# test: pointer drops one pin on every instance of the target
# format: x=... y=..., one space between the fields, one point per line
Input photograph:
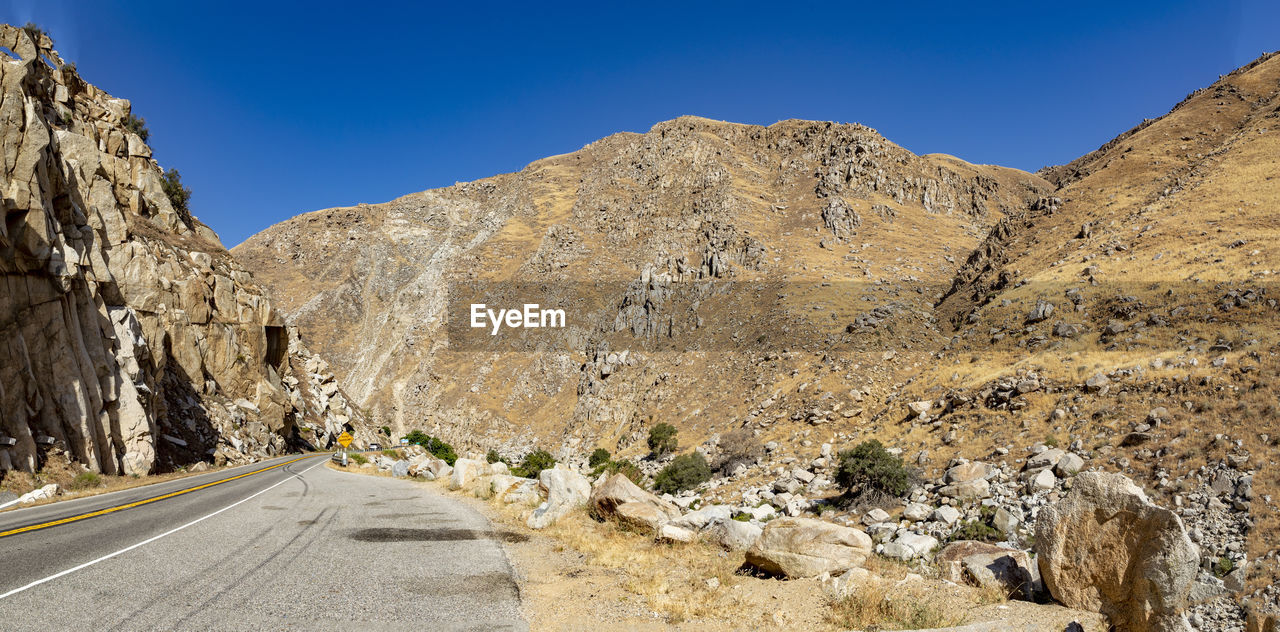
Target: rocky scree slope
x=130 y=341
x=1135 y=318
x=690 y=202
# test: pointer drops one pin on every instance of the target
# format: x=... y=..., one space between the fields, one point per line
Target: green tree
x=684 y=472
x=868 y=467
x=436 y=447
x=178 y=194
x=533 y=464
x=662 y=439
x=599 y=457
x=137 y=126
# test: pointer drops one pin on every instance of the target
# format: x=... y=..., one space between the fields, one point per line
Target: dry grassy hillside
x=1160 y=264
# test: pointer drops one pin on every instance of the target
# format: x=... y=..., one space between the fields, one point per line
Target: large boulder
x=465 y=471
x=909 y=546
x=967 y=490
x=803 y=547
x=699 y=519
x=620 y=499
x=566 y=490
x=1108 y=549
x=429 y=468
x=1011 y=572
x=400 y=469
x=500 y=483
x=525 y=491
x=966 y=472
x=733 y=535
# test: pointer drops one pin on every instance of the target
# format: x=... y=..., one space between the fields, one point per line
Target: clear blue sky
x=272 y=109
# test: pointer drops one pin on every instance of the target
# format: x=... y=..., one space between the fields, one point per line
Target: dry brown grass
x=884 y=605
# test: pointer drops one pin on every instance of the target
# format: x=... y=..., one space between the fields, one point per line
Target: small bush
x=35 y=31
x=86 y=480
x=178 y=194
x=976 y=530
x=138 y=126
x=1223 y=567
x=357 y=458
x=395 y=454
x=533 y=464
x=599 y=457
x=385 y=430
x=868 y=467
x=662 y=439
x=623 y=467
x=492 y=456
x=1051 y=441
x=684 y=472
x=738 y=447
x=436 y=447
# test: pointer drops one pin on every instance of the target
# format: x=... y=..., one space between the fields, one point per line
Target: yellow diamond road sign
x=345 y=439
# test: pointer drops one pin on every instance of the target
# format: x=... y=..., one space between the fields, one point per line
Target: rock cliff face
x=129 y=338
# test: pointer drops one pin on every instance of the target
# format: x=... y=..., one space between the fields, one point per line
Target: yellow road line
x=102 y=512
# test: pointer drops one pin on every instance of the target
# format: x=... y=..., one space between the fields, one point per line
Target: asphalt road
x=298 y=546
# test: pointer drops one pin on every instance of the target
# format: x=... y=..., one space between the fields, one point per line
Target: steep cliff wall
x=129 y=338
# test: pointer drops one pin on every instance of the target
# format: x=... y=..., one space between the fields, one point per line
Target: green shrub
x=178 y=194
x=976 y=530
x=492 y=456
x=1051 y=441
x=598 y=457
x=533 y=464
x=1223 y=567
x=357 y=458
x=395 y=454
x=623 y=467
x=385 y=430
x=138 y=126
x=868 y=467
x=436 y=447
x=86 y=480
x=662 y=439
x=684 y=472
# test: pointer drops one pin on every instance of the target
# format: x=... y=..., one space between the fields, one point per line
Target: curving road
x=280 y=545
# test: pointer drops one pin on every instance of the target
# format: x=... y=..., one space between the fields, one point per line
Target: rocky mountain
x=840 y=220
x=130 y=341
x=1121 y=307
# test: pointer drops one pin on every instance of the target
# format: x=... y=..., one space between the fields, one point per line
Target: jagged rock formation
x=129 y=338
x=656 y=215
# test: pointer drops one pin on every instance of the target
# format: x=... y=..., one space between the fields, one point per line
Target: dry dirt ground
x=581 y=574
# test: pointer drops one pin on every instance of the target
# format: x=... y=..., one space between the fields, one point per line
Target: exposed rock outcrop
x=129 y=338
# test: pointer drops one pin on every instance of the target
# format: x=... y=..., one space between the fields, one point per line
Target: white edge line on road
x=153 y=539
x=12 y=502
